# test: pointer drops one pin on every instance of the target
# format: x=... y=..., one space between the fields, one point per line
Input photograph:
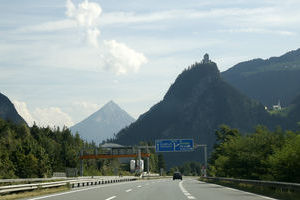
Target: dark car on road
x=177 y=175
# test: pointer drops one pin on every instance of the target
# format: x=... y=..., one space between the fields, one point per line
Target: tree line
x=262 y=155
x=29 y=152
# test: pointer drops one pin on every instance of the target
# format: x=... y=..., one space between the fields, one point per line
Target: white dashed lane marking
x=185 y=192
x=110 y=198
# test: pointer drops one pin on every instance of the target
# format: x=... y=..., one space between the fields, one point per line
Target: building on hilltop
x=277 y=107
x=206 y=59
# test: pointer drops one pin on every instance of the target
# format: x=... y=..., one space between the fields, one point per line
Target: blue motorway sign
x=174 y=145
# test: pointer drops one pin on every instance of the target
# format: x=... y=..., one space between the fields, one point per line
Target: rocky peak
x=196 y=77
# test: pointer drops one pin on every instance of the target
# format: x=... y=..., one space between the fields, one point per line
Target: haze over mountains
x=103 y=124
x=268 y=81
x=8 y=111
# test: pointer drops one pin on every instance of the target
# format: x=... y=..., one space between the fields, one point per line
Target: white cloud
x=49 y=26
x=93 y=35
x=122 y=59
x=272 y=13
x=259 y=30
x=268 y=17
x=117 y=57
x=71 y=9
x=86 y=15
x=52 y=116
x=86 y=105
x=22 y=109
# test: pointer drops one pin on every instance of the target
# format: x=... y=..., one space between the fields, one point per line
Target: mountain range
x=196 y=104
x=269 y=81
x=8 y=111
x=103 y=124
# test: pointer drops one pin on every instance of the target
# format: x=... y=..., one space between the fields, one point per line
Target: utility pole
x=205 y=158
x=81 y=163
x=139 y=160
x=148 y=160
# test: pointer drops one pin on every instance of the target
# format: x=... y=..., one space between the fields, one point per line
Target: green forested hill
x=268 y=81
x=196 y=104
x=290 y=116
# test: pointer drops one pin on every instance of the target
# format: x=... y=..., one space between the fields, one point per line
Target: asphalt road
x=159 y=189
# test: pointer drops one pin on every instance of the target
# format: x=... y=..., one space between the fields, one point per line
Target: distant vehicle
x=177 y=175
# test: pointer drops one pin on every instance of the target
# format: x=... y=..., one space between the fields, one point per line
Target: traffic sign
x=174 y=145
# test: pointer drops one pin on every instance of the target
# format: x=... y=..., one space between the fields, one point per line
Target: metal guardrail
x=98 y=182
x=150 y=176
x=72 y=183
x=56 y=178
x=276 y=184
x=32 y=186
x=33 y=179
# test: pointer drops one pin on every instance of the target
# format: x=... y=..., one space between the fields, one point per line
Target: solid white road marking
x=185 y=192
x=129 y=190
x=110 y=198
x=139 y=186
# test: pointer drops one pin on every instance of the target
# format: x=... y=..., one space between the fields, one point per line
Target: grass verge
x=33 y=193
x=282 y=194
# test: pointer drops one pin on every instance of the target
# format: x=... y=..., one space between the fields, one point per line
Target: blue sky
x=62 y=60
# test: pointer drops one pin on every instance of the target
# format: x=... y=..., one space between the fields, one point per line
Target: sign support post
x=205 y=158
x=148 y=160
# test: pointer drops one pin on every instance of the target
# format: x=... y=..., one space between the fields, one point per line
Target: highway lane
x=160 y=189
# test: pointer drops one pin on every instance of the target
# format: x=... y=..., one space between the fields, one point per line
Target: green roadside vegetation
x=262 y=155
x=282 y=194
x=36 y=152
